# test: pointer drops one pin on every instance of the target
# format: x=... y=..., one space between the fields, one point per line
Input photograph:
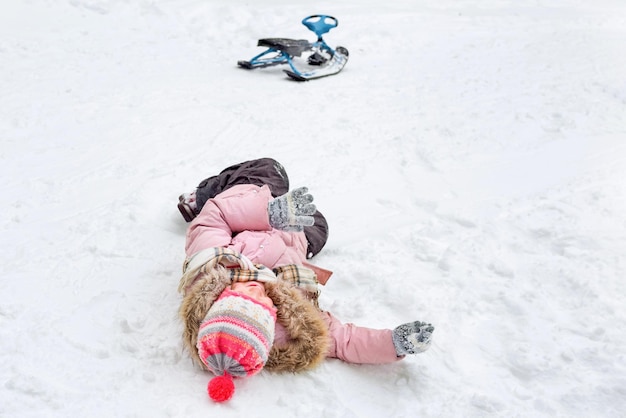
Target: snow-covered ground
x=470 y=158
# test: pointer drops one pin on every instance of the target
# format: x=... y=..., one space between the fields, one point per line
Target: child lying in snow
x=250 y=296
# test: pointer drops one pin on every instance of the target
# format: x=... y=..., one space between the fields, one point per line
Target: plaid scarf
x=303 y=278
x=242 y=269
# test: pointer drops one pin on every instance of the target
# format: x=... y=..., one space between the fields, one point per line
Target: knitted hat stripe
x=219 y=362
x=245 y=365
x=256 y=340
x=261 y=326
x=233 y=347
x=243 y=312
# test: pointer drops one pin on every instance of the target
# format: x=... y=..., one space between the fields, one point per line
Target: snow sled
x=307 y=60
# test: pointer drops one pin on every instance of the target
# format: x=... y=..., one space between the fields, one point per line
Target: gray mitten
x=412 y=338
x=292 y=211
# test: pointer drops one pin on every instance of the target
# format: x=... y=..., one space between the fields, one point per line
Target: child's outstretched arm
x=361 y=345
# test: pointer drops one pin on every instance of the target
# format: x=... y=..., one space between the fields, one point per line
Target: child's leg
x=316 y=235
x=258 y=172
x=360 y=345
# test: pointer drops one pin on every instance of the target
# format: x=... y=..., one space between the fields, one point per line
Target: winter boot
x=187 y=206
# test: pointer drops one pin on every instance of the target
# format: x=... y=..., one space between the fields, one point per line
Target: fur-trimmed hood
x=308 y=335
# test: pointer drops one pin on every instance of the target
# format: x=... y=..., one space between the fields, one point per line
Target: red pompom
x=221 y=388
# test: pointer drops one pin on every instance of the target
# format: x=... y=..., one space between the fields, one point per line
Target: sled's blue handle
x=320 y=24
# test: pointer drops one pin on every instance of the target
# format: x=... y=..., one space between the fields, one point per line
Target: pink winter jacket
x=237 y=219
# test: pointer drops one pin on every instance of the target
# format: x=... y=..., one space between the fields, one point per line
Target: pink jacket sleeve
x=359 y=345
x=240 y=208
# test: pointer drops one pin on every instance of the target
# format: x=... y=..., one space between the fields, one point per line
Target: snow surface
x=470 y=158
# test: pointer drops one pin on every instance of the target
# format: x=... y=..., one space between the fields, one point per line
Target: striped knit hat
x=234 y=340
